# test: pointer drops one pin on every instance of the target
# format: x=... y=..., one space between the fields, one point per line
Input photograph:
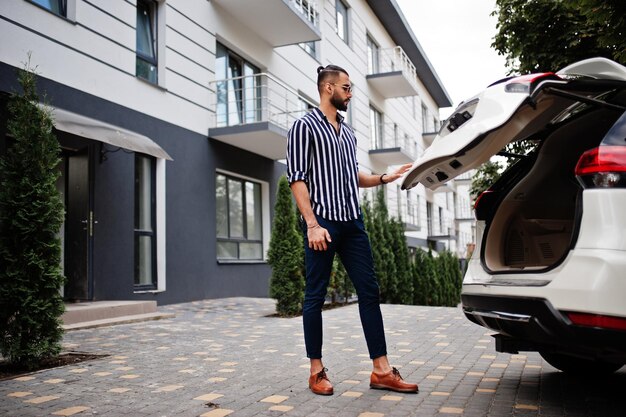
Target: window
x=429 y=217
x=441 y=230
x=372 y=56
x=342 y=20
x=376 y=128
x=310 y=48
x=411 y=209
x=146 y=61
x=304 y=107
x=145 y=221
x=238 y=89
x=239 y=219
x=427 y=125
x=55 y=6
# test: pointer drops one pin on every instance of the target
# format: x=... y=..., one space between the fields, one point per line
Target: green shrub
x=31 y=214
x=286 y=255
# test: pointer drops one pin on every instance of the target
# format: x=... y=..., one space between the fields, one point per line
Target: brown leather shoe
x=391 y=381
x=320 y=384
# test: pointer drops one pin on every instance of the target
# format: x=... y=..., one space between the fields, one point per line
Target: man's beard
x=339 y=103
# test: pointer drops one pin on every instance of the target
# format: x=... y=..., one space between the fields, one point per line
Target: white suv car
x=549 y=270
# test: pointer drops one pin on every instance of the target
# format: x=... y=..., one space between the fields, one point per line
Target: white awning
x=89 y=128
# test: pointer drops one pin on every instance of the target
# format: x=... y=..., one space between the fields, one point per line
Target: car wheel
x=579 y=366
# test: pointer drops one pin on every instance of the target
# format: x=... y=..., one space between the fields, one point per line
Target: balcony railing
x=395 y=59
x=393 y=145
x=256 y=98
x=464 y=210
x=309 y=9
x=395 y=137
x=441 y=229
x=254 y=112
x=394 y=75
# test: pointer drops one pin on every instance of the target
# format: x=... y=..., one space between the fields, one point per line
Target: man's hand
x=318 y=237
x=398 y=173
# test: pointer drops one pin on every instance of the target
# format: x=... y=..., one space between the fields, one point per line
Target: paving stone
x=196 y=364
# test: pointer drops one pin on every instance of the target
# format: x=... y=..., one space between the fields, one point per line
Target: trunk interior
x=535 y=224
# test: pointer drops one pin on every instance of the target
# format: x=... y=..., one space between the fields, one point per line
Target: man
x=323 y=173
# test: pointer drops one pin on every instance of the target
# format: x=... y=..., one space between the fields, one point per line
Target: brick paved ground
x=227 y=357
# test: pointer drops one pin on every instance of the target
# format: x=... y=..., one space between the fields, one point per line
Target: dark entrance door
x=78 y=226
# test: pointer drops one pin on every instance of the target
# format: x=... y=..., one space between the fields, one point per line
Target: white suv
x=549 y=270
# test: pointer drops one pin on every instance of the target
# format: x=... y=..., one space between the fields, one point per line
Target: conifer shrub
x=286 y=255
x=31 y=215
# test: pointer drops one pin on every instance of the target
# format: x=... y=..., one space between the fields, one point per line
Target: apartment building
x=172 y=116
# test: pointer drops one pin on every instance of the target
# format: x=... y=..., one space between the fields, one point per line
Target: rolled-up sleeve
x=298 y=152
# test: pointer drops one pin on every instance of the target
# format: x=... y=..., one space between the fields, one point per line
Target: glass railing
x=256 y=98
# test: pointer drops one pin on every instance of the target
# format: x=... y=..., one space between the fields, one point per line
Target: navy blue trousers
x=351 y=243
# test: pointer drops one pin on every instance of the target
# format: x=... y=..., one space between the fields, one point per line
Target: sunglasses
x=346 y=88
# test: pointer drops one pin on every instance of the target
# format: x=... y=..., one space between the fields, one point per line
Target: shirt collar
x=321 y=116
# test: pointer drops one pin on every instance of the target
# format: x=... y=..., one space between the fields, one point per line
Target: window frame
x=241 y=110
x=377 y=139
x=341 y=8
x=310 y=48
x=62 y=4
x=373 y=55
x=153 y=9
x=144 y=232
x=244 y=215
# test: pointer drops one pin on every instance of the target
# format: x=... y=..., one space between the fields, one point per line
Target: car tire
x=580 y=366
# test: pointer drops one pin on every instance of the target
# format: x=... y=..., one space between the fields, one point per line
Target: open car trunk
x=536 y=219
x=533 y=212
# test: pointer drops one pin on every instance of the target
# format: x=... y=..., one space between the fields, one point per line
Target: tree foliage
x=547 y=35
x=403 y=278
x=31 y=215
x=286 y=255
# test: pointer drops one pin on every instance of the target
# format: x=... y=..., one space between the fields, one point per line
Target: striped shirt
x=326 y=162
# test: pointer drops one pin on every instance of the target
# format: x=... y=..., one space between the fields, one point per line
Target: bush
x=31 y=214
x=286 y=255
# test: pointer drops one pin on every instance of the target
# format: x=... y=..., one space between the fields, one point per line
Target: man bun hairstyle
x=326 y=73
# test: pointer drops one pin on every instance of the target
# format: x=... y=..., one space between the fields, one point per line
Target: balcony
x=464 y=211
x=254 y=113
x=393 y=146
x=408 y=212
x=441 y=230
x=279 y=22
x=395 y=74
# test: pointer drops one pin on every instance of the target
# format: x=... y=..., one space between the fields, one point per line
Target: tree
x=404 y=293
x=420 y=279
x=31 y=215
x=547 y=35
x=384 y=262
x=340 y=284
x=286 y=255
x=484 y=177
x=430 y=281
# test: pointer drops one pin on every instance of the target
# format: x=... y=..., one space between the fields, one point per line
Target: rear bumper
x=533 y=324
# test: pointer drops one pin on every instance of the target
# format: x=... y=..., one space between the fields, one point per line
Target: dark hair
x=324 y=73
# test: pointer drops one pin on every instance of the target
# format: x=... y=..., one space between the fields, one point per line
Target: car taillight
x=602 y=167
x=525 y=83
x=484 y=204
x=597 y=320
